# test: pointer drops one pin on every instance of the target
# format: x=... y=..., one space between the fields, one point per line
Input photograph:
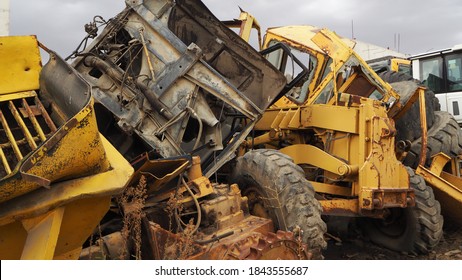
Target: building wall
x=4 y=17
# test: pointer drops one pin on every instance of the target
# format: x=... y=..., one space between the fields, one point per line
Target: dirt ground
x=359 y=248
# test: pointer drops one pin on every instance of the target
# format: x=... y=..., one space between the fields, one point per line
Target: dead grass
x=132 y=202
x=181 y=246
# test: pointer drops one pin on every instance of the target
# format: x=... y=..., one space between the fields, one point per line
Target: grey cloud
x=421 y=25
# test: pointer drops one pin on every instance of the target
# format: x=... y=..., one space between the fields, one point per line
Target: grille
x=25 y=124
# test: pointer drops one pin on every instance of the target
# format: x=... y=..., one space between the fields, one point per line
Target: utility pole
x=352 y=31
x=4 y=17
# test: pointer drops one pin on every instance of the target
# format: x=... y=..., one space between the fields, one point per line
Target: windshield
x=350 y=78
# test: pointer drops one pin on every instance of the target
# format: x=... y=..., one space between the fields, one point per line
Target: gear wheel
x=270 y=246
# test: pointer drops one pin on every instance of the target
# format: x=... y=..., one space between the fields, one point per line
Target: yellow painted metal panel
x=20 y=64
x=84 y=200
x=108 y=182
x=42 y=236
x=308 y=154
x=266 y=121
x=447 y=189
x=331 y=189
x=83 y=214
x=340 y=207
x=12 y=238
x=19 y=95
x=337 y=118
x=303 y=35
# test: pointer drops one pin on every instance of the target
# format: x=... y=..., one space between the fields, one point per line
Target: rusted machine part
x=116 y=74
x=110 y=246
x=226 y=231
x=159 y=70
x=402 y=148
x=281 y=245
x=255 y=243
x=254 y=239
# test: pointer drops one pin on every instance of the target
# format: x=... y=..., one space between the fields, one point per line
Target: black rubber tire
x=444 y=136
x=271 y=178
x=408 y=126
x=416 y=230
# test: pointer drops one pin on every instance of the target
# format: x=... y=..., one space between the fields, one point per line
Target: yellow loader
x=350 y=138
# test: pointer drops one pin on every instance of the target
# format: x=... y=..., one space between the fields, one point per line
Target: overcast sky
x=421 y=25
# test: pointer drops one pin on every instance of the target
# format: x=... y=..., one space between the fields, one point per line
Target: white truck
x=441 y=71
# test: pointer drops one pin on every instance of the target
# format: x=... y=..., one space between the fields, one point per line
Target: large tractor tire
x=408 y=126
x=414 y=230
x=277 y=189
x=444 y=136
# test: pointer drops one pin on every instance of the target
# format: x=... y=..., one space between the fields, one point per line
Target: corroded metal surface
x=226 y=231
x=176 y=79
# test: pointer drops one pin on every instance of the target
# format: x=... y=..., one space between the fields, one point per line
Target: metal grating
x=24 y=125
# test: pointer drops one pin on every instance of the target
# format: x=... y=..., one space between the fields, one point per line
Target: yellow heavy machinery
x=335 y=133
x=175 y=92
x=166 y=84
x=58 y=172
x=389 y=63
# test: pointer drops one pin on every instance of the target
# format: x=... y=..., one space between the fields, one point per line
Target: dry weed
x=180 y=246
x=132 y=202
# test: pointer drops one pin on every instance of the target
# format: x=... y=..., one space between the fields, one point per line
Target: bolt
x=408 y=200
x=366 y=202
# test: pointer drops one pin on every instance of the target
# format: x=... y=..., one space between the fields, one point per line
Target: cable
x=199 y=133
x=215 y=238
x=196 y=202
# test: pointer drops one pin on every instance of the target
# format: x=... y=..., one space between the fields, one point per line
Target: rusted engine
x=200 y=220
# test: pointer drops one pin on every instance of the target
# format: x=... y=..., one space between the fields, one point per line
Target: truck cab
x=441 y=71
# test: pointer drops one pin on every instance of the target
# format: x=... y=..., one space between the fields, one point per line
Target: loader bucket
x=58 y=172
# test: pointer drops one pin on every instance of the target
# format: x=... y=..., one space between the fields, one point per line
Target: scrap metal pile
x=170 y=137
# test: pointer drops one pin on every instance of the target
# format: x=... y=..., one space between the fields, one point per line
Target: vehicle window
x=290 y=69
x=454 y=72
x=431 y=73
x=405 y=68
x=276 y=57
x=326 y=94
x=328 y=69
